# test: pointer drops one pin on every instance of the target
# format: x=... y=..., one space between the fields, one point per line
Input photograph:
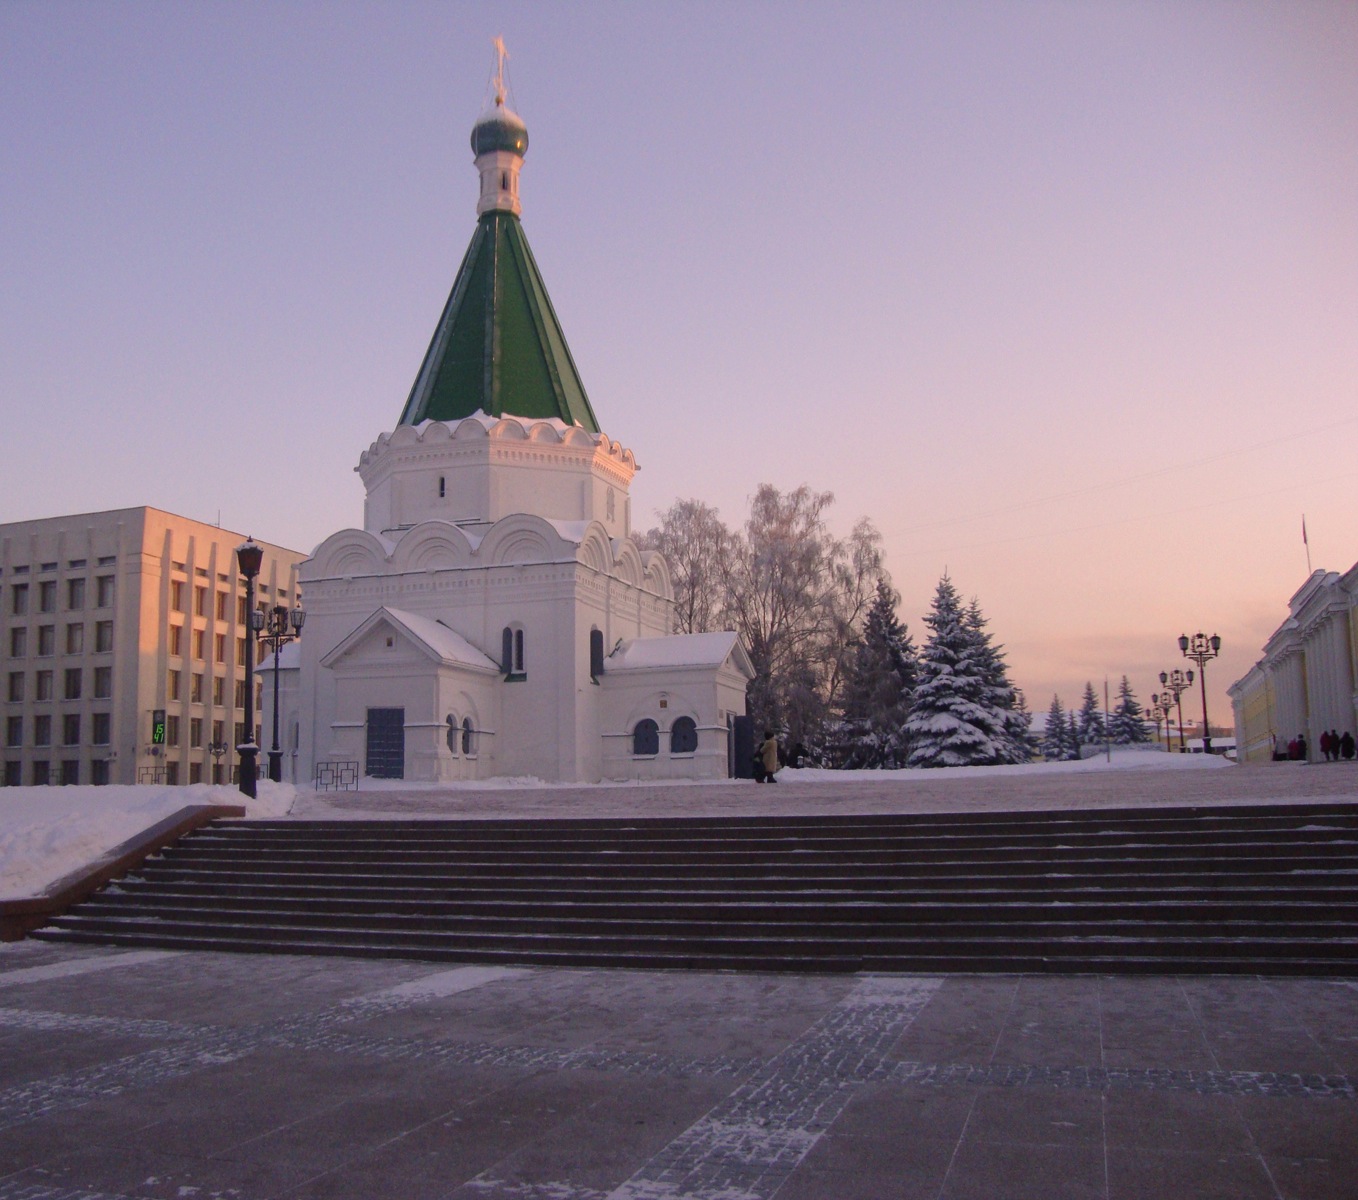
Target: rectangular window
x=103 y=637
x=18 y=643
x=196 y=688
x=172 y=685
x=70 y=729
x=42 y=730
x=240 y=733
x=103 y=683
x=102 y=727
x=14 y=774
x=240 y=610
x=199 y=644
x=176 y=646
x=99 y=772
x=240 y=652
x=14 y=731
x=195 y=733
x=75 y=639
x=219 y=647
x=200 y=601
x=218 y=690
x=42 y=773
x=218 y=732
x=42 y=684
x=73 y=682
x=47 y=641
x=177 y=595
x=18 y=599
x=103 y=591
x=70 y=772
x=16 y=687
x=75 y=595
x=240 y=694
x=172 y=731
x=47 y=596
x=172 y=774
x=195 y=772
x=222 y=600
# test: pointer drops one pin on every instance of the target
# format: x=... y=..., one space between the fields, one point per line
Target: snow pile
x=46 y=833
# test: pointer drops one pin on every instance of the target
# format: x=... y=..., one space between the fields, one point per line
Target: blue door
x=386 y=743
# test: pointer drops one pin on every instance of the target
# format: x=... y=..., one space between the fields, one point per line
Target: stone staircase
x=1259 y=889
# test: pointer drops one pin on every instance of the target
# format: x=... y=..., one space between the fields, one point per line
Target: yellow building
x=1305 y=682
x=112 y=619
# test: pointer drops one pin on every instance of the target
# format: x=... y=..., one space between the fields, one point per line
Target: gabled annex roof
x=436 y=641
x=681 y=650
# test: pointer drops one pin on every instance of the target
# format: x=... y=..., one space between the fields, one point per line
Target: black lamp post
x=249 y=558
x=276 y=629
x=1202 y=649
x=1159 y=712
x=217 y=749
x=1177 y=682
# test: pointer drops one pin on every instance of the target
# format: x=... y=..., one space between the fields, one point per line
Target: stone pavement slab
x=148 y=1075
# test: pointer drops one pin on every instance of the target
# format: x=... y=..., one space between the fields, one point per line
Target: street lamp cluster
x=1201 y=649
x=274 y=629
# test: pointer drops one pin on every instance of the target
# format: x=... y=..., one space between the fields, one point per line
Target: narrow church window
x=684 y=736
x=646 y=737
x=504 y=181
x=511 y=652
x=443 y=487
x=454 y=734
x=468 y=737
x=596 y=653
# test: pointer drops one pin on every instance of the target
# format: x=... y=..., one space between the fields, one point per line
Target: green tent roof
x=498 y=347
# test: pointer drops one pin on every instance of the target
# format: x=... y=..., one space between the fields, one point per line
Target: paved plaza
x=192 y=1075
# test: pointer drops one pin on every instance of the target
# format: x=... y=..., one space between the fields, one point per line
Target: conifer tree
x=1001 y=695
x=1127 y=724
x=1055 y=735
x=953 y=722
x=1090 y=722
x=878 y=688
x=1073 y=735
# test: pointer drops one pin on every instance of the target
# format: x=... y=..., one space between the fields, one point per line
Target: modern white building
x=493 y=616
x=1307 y=680
x=112 y=621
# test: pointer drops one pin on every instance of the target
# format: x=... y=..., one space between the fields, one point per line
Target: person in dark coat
x=1346 y=746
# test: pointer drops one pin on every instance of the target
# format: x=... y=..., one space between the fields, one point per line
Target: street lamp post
x=249 y=558
x=1159 y=712
x=1177 y=682
x=276 y=629
x=1202 y=649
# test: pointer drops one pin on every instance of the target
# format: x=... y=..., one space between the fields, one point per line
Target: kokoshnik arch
x=494 y=617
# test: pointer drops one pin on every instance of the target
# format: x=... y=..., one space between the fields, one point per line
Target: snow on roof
x=679 y=650
x=289 y=658
x=569 y=531
x=450 y=646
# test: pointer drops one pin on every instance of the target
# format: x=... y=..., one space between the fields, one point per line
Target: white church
x=494 y=617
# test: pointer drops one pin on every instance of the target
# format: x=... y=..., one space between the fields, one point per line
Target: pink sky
x=1063 y=296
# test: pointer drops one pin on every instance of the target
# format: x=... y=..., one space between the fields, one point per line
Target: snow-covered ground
x=47 y=833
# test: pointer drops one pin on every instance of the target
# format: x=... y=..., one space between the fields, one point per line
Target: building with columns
x=1307 y=680
x=494 y=616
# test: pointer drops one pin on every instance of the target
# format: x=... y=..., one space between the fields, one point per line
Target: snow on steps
x=1259 y=889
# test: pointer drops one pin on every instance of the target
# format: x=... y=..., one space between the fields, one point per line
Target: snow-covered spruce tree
x=877 y=690
x=1127 y=724
x=1055 y=735
x=952 y=720
x=1028 y=739
x=1072 y=734
x=1090 y=721
x=1001 y=695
